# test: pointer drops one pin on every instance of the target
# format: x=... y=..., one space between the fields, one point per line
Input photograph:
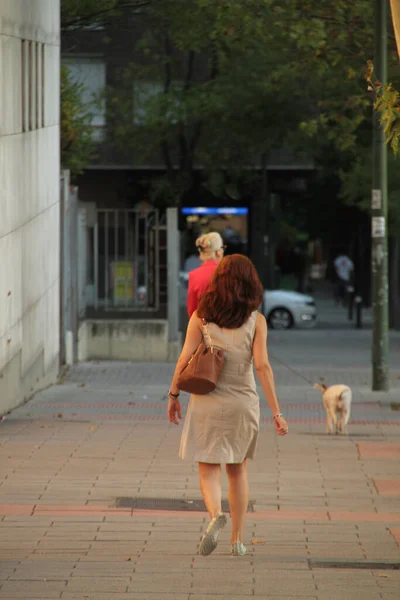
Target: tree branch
x=167 y=158
x=189 y=70
x=165 y=149
x=167 y=64
x=198 y=128
x=92 y=17
x=214 y=63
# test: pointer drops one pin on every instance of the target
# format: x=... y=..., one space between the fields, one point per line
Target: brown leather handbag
x=200 y=376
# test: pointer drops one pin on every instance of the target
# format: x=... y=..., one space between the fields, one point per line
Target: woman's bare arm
x=193 y=338
x=264 y=371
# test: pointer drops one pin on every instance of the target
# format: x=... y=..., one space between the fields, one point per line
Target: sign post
x=380 y=375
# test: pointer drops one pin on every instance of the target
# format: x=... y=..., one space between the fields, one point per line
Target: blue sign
x=222 y=210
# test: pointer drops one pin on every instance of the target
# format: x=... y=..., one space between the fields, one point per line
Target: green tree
x=77 y=145
x=210 y=90
x=76 y=14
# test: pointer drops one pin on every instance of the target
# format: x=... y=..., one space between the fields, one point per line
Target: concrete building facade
x=29 y=198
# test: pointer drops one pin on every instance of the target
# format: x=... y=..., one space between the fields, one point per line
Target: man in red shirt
x=211 y=250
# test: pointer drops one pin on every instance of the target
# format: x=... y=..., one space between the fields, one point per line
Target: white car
x=284 y=309
x=281 y=308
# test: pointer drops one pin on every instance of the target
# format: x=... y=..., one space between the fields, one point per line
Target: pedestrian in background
x=344 y=268
x=222 y=427
x=211 y=250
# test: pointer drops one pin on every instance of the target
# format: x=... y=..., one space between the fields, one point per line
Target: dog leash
x=290 y=368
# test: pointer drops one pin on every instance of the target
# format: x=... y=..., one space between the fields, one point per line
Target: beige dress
x=222 y=427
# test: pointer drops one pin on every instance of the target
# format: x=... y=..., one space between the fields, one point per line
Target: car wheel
x=280 y=318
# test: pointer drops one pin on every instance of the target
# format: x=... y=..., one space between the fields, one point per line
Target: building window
x=38 y=85
x=43 y=58
x=90 y=73
x=23 y=85
x=147 y=96
x=32 y=85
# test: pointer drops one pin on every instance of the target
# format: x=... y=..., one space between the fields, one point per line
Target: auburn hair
x=235 y=292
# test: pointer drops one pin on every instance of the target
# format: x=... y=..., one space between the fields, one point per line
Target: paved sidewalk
x=326 y=520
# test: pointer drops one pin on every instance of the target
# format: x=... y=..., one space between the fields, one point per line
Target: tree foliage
x=76 y=14
x=387 y=103
x=220 y=94
x=77 y=145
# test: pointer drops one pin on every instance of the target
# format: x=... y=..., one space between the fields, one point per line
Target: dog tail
x=319 y=387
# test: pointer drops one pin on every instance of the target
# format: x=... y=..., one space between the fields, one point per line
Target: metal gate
x=129 y=256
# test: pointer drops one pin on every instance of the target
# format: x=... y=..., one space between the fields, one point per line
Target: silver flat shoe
x=210 y=538
x=238 y=549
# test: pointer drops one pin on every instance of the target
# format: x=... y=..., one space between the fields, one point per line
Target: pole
x=380 y=375
x=259 y=238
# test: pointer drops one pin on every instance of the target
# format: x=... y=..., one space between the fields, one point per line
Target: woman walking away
x=211 y=249
x=222 y=427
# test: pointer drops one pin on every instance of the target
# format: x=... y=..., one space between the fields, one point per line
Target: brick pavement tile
x=21 y=534
x=388 y=586
x=31 y=522
x=279 y=564
x=271 y=552
x=364 y=516
x=388 y=487
x=213 y=577
x=32 y=589
x=65 y=520
x=332 y=537
x=341 y=586
x=131 y=527
x=159 y=582
x=117 y=545
x=343 y=576
x=265 y=595
x=72 y=525
x=45 y=574
x=56 y=544
x=7 y=568
x=122 y=567
x=13 y=510
x=337 y=551
x=94 y=584
x=387 y=504
x=297 y=515
x=278 y=588
x=18 y=545
x=171 y=567
x=9 y=554
x=71 y=535
x=395 y=531
x=389 y=577
x=37 y=556
x=235 y=589
x=378 y=450
x=122 y=536
x=179 y=548
x=57 y=554
x=164 y=595
x=351 y=594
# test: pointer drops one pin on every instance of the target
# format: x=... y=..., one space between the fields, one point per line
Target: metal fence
x=127 y=252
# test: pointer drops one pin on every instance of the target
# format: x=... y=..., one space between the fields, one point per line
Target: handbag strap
x=207 y=333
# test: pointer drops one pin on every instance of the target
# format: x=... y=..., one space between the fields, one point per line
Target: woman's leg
x=238 y=497
x=210 y=485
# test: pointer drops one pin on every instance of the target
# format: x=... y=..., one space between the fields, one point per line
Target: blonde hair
x=209 y=243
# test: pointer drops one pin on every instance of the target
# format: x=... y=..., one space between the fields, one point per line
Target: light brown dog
x=337 y=402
